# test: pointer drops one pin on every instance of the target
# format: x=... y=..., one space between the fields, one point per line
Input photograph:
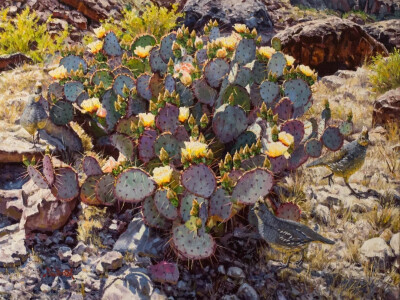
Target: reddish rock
x=73 y=17
x=11 y=203
x=386 y=32
x=10 y=61
x=387 y=108
x=93 y=9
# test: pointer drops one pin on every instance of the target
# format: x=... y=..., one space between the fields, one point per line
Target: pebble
x=236 y=272
x=45 y=288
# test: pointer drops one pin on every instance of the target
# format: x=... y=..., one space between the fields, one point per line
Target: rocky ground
x=105 y=254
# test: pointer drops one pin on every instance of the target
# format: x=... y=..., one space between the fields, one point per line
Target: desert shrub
x=386 y=72
x=24 y=34
x=361 y=14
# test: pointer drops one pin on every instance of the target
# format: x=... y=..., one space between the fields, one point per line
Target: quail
x=346 y=161
x=34 y=116
x=286 y=236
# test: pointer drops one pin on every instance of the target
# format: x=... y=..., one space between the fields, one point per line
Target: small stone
x=322 y=213
x=229 y=297
x=100 y=269
x=75 y=261
x=69 y=240
x=64 y=253
x=395 y=243
x=112 y=260
x=45 y=288
x=80 y=248
x=247 y=292
x=236 y=273
x=386 y=235
x=221 y=269
x=377 y=251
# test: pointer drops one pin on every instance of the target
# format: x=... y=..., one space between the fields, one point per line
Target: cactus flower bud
x=204 y=121
x=175 y=46
x=189 y=43
x=228 y=159
x=191 y=121
x=267 y=163
x=164 y=157
x=179 y=34
x=193 y=34
x=236 y=160
x=170 y=62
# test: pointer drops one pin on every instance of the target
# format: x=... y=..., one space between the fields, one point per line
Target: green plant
x=361 y=14
x=187 y=116
x=386 y=72
x=24 y=34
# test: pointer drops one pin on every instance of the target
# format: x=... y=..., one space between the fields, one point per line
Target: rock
x=94 y=10
x=80 y=248
x=73 y=17
x=9 y=230
x=140 y=239
x=43 y=211
x=386 y=235
x=322 y=213
x=111 y=261
x=376 y=251
x=230 y=297
x=330 y=44
x=387 y=108
x=386 y=32
x=333 y=82
x=221 y=269
x=64 y=253
x=12 y=249
x=12 y=178
x=236 y=273
x=395 y=243
x=11 y=204
x=253 y=13
x=247 y=292
x=45 y=288
x=11 y=61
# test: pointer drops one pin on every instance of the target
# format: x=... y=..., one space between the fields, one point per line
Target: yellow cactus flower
x=289 y=60
x=100 y=32
x=59 y=73
x=240 y=28
x=221 y=53
x=143 y=52
x=306 y=70
x=276 y=149
x=286 y=138
x=147 y=119
x=162 y=175
x=91 y=105
x=95 y=47
x=194 y=149
x=186 y=79
x=183 y=114
x=266 y=51
x=229 y=42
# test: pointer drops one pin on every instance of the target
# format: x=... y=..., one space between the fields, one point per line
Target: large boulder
x=386 y=32
x=330 y=44
x=387 y=108
x=95 y=10
x=12 y=247
x=10 y=61
x=376 y=251
x=253 y=13
x=11 y=203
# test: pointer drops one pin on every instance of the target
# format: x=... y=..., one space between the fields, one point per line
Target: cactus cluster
x=203 y=123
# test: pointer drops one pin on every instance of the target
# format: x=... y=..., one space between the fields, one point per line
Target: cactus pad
x=240 y=96
x=62 y=113
x=313 y=148
x=146 y=145
x=297 y=158
x=56 y=90
x=48 y=169
x=120 y=81
x=332 y=138
x=346 y=128
x=298 y=92
x=111 y=46
x=156 y=62
x=166 y=47
x=108 y=101
x=269 y=92
x=278 y=164
x=91 y=166
x=164 y=272
x=135 y=65
x=83 y=96
x=142 y=86
x=203 y=92
x=252 y=162
x=253 y=185
x=72 y=62
x=259 y=71
x=37 y=178
x=169 y=143
x=245 y=51
x=143 y=41
x=167 y=118
x=66 y=184
x=245 y=138
x=164 y=205
x=187 y=204
x=169 y=83
x=88 y=193
x=156 y=85
x=113 y=62
x=284 y=109
x=192 y=246
x=229 y=122
x=201 y=57
x=221 y=205
x=242 y=76
x=289 y=211
x=122 y=70
x=181 y=134
x=72 y=90
x=104 y=189
x=124 y=145
x=215 y=70
x=136 y=105
x=152 y=217
x=214 y=33
x=276 y=43
x=295 y=128
x=276 y=64
x=199 y=180
x=103 y=76
x=185 y=94
x=133 y=185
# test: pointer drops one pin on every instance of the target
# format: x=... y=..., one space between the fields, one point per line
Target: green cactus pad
x=165 y=272
x=190 y=245
x=332 y=138
x=88 y=193
x=82 y=96
x=37 y=177
x=215 y=70
x=124 y=145
x=66 y=184
x=142 y=86
x=104 y=189
x=102 y=76
x=136 y=105
x=156 y=62
x=201 y=57
x=91 y=166
x=198 y=110
x=135 y=65
x=133 y=185
x=122 y=70
x=166 y=47
x=181 y=134
x=259 y=71
x=72 y=90
x=295 y=128
x=143 y=41
x=146 y=145
x=276 y=64
x=187 y=204
x=289 y=211
x=62 y=113
x=278 y=164
x=300 y=111
x=120 y=81
x=199 y=180
x=284 y=109
x=276 y=43
x=167 y=118
x=313 y=148
x=164 y=205
x=346 y=128
x=252 y=162
x=298 y=91
x=240 y=95
x=240 y=75
x=214 y=33
x=245 y=138
x=221 y=205
x=170 y=144
x=152 y=217
x=108 y=101
x=169 y=83
x=185 y=94
x=253 y=185
x=56 y=90
x=111 y=45
x=48 y=169
x=245 y=51
x=156 y=85
x=297 y=158
x=72 y=62
x=124 y=125
x=203 y=92
x=229 y=122
x=269 y=92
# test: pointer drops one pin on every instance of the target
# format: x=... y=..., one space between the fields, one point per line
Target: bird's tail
x=325 y=240
x=315 y=163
